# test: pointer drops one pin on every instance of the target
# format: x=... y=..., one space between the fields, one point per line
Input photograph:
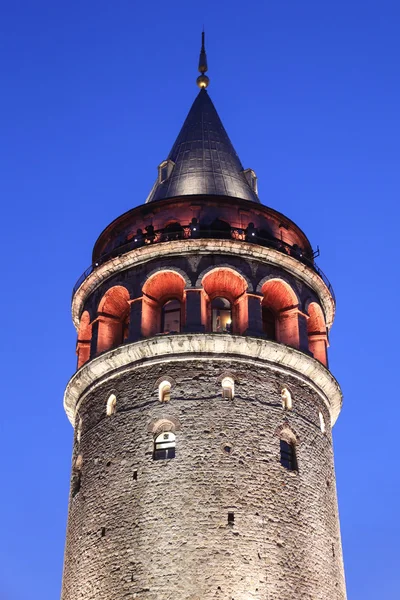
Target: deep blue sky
x=93 y=95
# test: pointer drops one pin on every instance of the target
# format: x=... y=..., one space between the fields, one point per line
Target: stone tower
x=203 y=405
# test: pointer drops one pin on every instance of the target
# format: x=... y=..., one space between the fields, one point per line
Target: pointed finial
x=203 y=80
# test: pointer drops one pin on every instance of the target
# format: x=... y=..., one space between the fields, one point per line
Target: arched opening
x=163 y=303
x=280 y=312
x=217 y=229
x=84 y=339
x=286 y=396
x=322 y=422
x=111 y=408
x=173 y=231
x=113 y=317
x=288 y=455
x=287 y=445
x=164 y=445
x=164 y=391
x=228 y=388
x=316 y=330
x=225 y=301
x=221 y=315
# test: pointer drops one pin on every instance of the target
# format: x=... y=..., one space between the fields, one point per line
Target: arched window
x=79 y=430
x=281 y=302
x=228 y=388
x=164 y=391
x=221 y=315
x=286 y=399
x=322 y=422
x=163 y=303
x=173 y=231
x=171 y=317
x=164 y=446
x=225 y=301
x=113 y=316
x=269 y=326
x=111 y=405
x=288 y=455
x=217 y=229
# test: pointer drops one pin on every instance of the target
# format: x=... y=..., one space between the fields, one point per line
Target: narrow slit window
x=288 y=456
x=164 y=446
x=231 y=518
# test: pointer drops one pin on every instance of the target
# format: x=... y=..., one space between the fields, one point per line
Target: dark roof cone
x=202 y=160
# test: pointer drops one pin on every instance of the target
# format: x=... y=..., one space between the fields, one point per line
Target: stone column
x=193 y=312
x=255 y=323
x=135 y=323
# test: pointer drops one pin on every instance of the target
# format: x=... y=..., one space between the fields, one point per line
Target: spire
x=203 y=81
x=202 y=160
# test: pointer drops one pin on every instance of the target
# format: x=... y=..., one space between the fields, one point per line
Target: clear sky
x=93 y=94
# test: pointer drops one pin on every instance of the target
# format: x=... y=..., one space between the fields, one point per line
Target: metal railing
x=196 y=231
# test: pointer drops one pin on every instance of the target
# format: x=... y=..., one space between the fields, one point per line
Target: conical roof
x=203 y=159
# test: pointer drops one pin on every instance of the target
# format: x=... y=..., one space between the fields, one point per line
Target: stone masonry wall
x=158 y=530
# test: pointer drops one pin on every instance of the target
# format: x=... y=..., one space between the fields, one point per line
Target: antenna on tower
x=203 y=80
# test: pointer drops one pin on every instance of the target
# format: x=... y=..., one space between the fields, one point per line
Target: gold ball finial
x=202 y=81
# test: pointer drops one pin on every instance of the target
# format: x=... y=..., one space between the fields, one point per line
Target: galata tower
x=203 y=405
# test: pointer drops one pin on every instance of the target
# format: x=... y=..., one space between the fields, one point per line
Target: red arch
x=280 y=299
x=317 y=336
x=84 y=339
x=157 y=290
x=226 y=283
x=113 y=318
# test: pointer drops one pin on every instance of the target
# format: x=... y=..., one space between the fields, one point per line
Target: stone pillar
x=317 y=346
x=135 y=324
x=193 y=312
x=255 y=323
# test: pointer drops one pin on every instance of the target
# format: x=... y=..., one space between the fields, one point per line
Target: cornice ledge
x=144 y=254
x=200 y=346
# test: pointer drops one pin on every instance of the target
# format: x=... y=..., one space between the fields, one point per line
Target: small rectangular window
x=227 y=393
x=231 y=518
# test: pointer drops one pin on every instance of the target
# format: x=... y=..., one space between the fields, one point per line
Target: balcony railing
x=196 y=231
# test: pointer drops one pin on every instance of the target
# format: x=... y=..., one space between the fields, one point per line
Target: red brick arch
x=317 y=336
x=113 y=318
x=157 y=290
x=226 y=283
x=280 y=305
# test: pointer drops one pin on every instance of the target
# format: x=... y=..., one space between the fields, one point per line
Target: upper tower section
x=204 y=261
x=203 y=160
